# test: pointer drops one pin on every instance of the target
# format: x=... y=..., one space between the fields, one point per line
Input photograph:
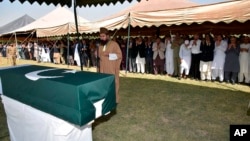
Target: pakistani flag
x=67 y=94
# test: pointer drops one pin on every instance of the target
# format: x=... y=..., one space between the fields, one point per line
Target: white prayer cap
x=186 y=42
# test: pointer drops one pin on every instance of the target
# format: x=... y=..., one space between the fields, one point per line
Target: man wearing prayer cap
x=104 y=30
x=110 y=56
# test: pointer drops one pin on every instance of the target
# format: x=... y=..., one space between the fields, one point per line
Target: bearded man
x=110 y=57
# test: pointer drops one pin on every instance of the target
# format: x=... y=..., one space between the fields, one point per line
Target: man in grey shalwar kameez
x=232 y=64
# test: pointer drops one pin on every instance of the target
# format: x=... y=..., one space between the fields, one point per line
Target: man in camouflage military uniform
x=11 y=52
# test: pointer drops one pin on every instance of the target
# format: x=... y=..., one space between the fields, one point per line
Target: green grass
x=157 y=110
x=160 y=108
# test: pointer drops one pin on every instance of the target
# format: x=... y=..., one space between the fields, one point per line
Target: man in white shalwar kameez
x=36 y=51
x=39 y=53
x=43 y=55
x=244 y=56
x=47 y=56
x=185 y=57
x=169 y=60
x=76 y=54
x=219 y=59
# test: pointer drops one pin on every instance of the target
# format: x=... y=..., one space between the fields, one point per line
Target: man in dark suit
x=139 y=51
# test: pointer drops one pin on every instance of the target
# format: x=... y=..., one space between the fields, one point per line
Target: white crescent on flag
x=34 y=75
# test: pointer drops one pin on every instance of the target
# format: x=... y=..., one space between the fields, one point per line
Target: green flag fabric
x=66 y=94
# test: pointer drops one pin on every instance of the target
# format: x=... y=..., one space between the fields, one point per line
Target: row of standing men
x=218 y=58
x=53 y=51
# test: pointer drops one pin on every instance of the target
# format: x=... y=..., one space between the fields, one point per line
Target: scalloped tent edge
x=68 y=3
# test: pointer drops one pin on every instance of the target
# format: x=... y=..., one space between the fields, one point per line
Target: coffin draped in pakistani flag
x=66 y=94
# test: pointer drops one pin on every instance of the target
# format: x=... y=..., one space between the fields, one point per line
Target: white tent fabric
x=122 y=19
x=61 y=18
x=226 y=12
x=56 y=30
x=15 y=24
x=86 y=27
x=154 y=5
x=118 y=22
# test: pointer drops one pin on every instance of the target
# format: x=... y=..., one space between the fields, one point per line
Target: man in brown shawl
x=110 y=56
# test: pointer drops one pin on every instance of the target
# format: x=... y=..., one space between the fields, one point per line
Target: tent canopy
x=230 y=17
x=59 y=16
x=15 y=24
x=87 y=27
x=222 y=12
x=69 y=2
x=154 y=5
x=121 y=19
x=225 y=16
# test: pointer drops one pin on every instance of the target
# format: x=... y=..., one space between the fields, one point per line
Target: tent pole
x=77 y=34
x=68 y=49
x=128 y=43
x=15 y=39
x=16 y=46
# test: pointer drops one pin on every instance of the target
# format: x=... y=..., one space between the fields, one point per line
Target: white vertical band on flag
x=1 y=89
x=98 y=108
